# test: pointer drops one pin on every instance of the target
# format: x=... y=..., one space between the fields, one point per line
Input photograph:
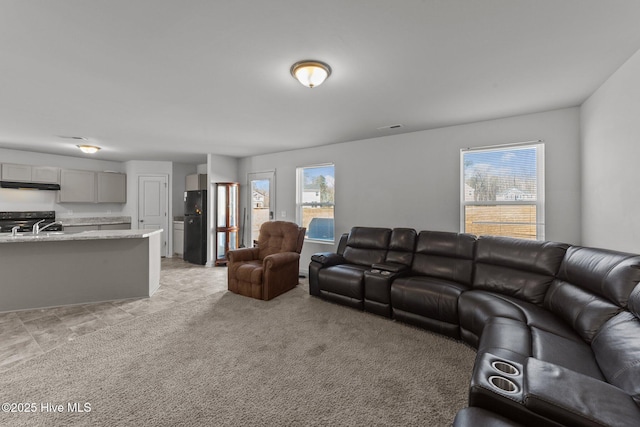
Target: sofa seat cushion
x=617 y=349
x=572 y=354
x=515 y=341
x=427 y=296
x=248 y=278
x=477 y=307
x=346 y=280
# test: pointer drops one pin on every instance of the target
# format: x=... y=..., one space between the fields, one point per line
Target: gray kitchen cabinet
x=45 y=174
x=196 y=182
x=77 y=186
x=112 y=187
x=178 y=237
x=20 y=173
x=115 y=227
x=79 y=228
x=96 y=227
x=28 y=173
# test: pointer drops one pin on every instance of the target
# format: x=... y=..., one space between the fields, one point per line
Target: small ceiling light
x=89 y=149
x=310 y=73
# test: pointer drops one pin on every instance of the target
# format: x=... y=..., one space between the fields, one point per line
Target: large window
x=316 y=201
x=502 y=191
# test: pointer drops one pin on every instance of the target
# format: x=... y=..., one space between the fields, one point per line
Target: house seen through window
x=502 y=191
x=316 y=201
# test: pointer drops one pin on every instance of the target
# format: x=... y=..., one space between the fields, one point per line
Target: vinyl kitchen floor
x=25 y=334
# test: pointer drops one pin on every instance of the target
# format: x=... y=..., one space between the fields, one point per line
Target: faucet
x=37 y=229
x=14 y=230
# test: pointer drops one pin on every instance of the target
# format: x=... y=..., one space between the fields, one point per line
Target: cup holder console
x=504 y=384
x=497 y=380
x=505 y=368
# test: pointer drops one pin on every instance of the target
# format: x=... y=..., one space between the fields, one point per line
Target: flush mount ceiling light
x=89 y=149
x=310 y=73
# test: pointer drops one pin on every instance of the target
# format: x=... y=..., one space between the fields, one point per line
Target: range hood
x=29 y=185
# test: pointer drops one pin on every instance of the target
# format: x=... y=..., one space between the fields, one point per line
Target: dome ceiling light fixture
x=88 y=149
x=310 y=73
x=85 y=148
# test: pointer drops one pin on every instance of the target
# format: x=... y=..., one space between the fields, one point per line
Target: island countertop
x=56 y=236
x=52 y=269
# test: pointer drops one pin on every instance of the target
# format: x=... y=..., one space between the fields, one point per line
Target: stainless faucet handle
x=36 y=226
x=14 y=230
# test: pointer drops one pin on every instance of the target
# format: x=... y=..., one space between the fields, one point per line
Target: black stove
x=26 y=220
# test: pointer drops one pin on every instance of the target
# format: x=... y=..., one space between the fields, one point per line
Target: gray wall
x=218 y=169
x=610 y=128
x=413 y=180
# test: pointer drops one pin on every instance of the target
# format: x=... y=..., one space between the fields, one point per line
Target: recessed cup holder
x=504 y=384
x=505 y=368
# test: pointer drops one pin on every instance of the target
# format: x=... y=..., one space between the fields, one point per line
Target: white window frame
x=540 y=184
x=299 y=197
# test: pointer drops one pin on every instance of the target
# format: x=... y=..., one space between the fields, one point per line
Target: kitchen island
x=58 y=268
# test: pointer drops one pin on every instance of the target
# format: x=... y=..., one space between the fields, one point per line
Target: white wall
x=413 y=180
x=610 y=128
x=29 y=200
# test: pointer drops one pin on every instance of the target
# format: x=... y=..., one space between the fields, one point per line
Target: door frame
x=255 y=176
x=164 y=246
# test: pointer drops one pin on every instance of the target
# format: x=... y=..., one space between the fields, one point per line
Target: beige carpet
x=230 y=360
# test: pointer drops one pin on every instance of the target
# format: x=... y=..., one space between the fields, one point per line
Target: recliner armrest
x=275 y=261
x=327 y=259
x=572 y=398
x=244 y=254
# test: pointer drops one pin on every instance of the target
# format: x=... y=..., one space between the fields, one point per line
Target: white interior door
x=262 y=202
x=153 y=206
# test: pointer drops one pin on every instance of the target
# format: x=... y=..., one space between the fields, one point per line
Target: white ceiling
x=174 y=79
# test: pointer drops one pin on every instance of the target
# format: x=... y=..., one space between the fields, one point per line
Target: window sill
x=322 y=242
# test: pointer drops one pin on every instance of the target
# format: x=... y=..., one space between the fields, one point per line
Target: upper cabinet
x=27 y=173
x=196 y=182
x=78 y=186
x=112 y=187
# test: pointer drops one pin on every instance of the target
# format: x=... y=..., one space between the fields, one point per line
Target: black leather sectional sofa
x=556 y=327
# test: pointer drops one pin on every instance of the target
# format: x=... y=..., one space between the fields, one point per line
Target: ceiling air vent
x=390 y=127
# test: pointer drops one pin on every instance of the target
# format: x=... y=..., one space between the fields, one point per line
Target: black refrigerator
x=195 y=227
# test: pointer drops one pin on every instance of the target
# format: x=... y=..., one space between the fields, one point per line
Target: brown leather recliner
x=270 y=269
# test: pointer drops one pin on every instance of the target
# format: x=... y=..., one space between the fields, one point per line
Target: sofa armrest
x=572 y=398
x=244 y=254
x=391 y=267
x=327 y=259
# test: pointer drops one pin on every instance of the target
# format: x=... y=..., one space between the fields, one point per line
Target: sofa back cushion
x=401 y=246
x=445 y=255
x=592 y=286
x=617 y=348
x=520 y=268
x=367 y=245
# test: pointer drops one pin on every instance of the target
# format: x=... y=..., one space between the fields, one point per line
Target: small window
x=316 y=201
x=502 y=191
